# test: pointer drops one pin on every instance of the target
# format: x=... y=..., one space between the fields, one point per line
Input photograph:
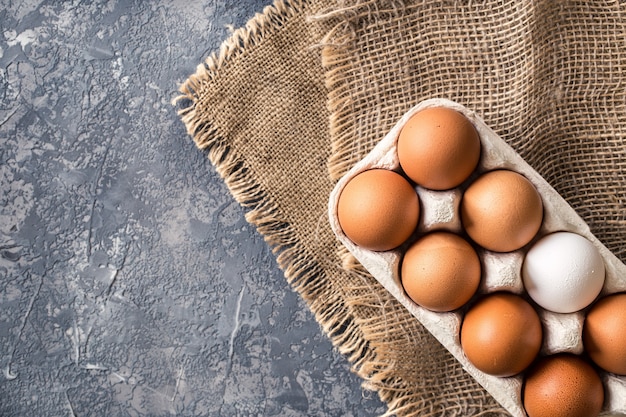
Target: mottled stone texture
x=130 y=283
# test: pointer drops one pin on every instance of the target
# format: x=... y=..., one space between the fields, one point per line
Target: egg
x=440 y=271
x=378 y=209
x=501 y=334
x=501 y=211
x=563 y=272
x=604 y=333
x=563 y=385
x=438 y=148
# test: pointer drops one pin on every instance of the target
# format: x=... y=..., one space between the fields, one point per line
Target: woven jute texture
x=291 y=101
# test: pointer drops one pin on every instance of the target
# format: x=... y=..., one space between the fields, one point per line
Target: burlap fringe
x=301 y=271
x=272 y=17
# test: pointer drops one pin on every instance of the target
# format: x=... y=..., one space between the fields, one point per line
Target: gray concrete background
x=130 y=283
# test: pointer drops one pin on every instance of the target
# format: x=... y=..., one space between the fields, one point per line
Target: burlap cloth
x=291 y=101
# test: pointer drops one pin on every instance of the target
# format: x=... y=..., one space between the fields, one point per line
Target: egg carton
x=439 y=210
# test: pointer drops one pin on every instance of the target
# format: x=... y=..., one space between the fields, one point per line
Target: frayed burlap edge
x=302 y=272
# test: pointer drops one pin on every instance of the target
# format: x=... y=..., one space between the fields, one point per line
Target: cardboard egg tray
x=501 y=271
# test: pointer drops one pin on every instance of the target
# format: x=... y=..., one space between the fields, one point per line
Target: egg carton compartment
x=439 y=210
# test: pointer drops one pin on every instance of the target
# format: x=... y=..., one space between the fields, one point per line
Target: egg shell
x=440 y=271
x=559 y=336
x=378 y=209
x=438 y=148
x=604 y=333
x=501 y=210
x=563 y=272
x=501 y=334
x=563 y=385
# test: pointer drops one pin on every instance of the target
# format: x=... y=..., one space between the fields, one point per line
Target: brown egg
x=501 y=211
x=501 y=334
x=440 y=271
x=378 y=209
x=604 y=333
x=438 y=148
x=563 y=385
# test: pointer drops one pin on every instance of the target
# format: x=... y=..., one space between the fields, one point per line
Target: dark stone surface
x=130 y=283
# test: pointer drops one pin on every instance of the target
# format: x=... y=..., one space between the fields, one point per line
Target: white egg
x=563 y=272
